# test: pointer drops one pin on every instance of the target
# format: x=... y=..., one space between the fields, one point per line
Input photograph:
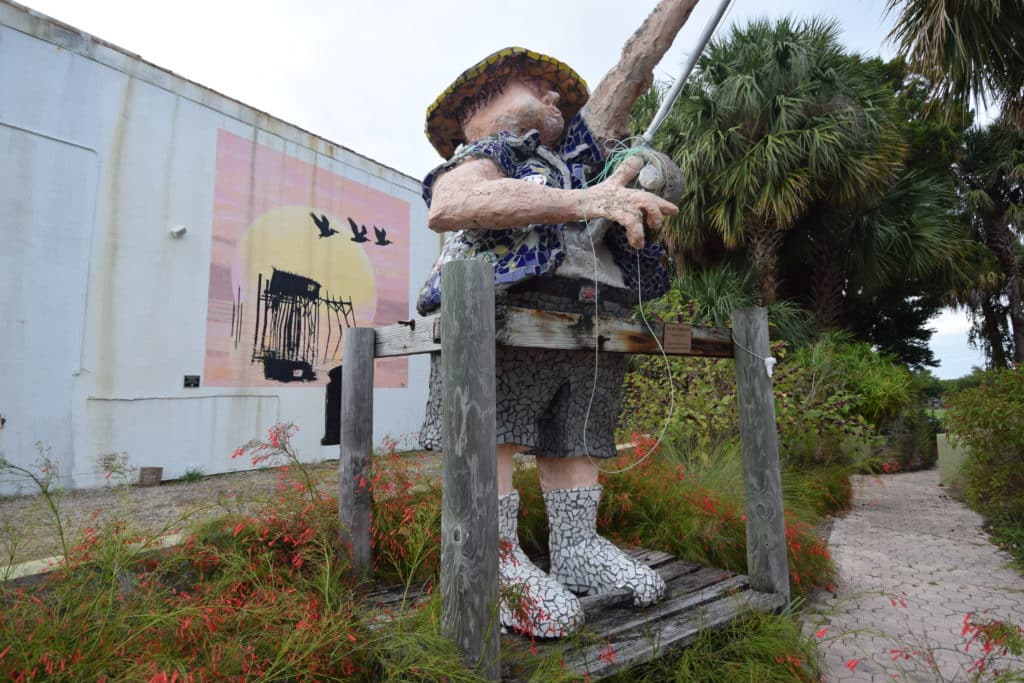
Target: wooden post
x=469 y=498
x=356 y=448
x=767 y=565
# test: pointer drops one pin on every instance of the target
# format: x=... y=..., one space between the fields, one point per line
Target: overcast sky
x=361 y=74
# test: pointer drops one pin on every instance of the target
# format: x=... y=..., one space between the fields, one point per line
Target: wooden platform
x=617 y=635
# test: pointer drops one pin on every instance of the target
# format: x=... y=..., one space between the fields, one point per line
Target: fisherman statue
x=522 y=139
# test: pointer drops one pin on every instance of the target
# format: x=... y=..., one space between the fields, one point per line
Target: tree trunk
x=1017 y=316
x=763 y=245
x=1003 y=244
x=827 y=287
x=993 y=319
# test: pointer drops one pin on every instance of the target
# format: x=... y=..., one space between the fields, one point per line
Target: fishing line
x=622 y=152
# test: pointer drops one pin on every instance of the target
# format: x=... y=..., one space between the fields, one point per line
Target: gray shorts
x=544 y=395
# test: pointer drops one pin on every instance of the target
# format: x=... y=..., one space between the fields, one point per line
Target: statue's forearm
x=607 y=112
x=475 y=196
x=500 y=204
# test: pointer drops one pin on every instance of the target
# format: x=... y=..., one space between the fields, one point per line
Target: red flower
x=852 y=664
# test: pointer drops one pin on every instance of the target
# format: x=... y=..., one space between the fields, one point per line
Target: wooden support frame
x=465 y=333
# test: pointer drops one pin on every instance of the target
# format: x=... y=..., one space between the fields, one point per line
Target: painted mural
x=300 y=254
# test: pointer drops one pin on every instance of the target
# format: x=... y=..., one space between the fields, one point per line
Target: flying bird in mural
x=382 y=236
x=358 y=234
x=324 y=225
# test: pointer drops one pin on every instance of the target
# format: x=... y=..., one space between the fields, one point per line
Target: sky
x=361 y=74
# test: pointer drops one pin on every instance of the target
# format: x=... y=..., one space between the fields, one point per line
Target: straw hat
x=444 y=130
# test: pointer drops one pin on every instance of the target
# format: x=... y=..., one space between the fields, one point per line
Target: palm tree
x=776 y=118
x=907 y=233
x=969 y=49
x=991 y=175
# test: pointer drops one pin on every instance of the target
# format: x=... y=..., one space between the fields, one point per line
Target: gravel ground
x=28 y=530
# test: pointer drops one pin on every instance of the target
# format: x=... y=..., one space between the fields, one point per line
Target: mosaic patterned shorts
x=543 y=395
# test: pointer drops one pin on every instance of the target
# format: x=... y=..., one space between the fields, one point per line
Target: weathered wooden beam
x=551 y=330
x=419 y=335
x=356 y=449
x=767 y=565
x=469 y=470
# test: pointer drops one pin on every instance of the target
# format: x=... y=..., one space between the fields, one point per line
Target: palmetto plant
x=776 y=119
x=908 y=230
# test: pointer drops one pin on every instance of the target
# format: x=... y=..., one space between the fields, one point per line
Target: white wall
x=102 y=312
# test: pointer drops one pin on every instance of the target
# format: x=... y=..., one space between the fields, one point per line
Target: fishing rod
x=691 y=62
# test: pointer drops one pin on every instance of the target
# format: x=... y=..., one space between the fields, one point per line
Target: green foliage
x=989 y=177
x=880 y=390
x=989 y=421
x=822 y=414
x=776 y=119
x=192 y=474
x=709 y=296
x=974 y=56
x=1008 y=534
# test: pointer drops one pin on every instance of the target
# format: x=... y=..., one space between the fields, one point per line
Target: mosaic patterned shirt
x=538 y=250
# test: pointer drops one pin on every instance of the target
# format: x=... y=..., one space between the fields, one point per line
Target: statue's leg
x=580 y=559
x=531 y=601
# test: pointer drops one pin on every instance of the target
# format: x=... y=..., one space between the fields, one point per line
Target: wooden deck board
x=697 y=598
x=617 y=635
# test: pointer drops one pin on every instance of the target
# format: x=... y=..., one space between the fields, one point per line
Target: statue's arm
x=476 y=195
x=607 y=111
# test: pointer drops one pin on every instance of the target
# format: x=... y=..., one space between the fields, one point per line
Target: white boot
x=587 y=563
x=532 y=602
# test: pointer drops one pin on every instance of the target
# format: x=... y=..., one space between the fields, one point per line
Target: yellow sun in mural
x=289 y=239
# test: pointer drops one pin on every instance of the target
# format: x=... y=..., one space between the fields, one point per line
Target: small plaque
x=191 y=381
x=678 y=338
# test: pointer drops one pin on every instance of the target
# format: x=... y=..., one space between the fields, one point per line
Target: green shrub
x=818 y=419
x=989 y=421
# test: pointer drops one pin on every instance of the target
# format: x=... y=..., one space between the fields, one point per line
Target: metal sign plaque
x=677 y=338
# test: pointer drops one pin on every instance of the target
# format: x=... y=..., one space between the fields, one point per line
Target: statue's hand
x=630 y=208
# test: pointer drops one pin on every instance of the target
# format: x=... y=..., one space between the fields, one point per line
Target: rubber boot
x=586 y=563
x=531 y=602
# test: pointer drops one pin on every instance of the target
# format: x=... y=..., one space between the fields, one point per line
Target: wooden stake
x=469 y=498
x=767 y=565
x=356 y=448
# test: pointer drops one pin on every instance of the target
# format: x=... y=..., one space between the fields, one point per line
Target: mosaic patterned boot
x=532 y=602
x=587 y=563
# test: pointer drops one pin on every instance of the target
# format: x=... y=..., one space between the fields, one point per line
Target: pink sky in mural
x=263 y=199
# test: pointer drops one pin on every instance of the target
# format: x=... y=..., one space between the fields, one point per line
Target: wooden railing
x=465 y=333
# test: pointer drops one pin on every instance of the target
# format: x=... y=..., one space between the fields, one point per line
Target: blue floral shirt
x=537 y=250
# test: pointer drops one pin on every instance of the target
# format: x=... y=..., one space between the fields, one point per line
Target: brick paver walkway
x=912 y=563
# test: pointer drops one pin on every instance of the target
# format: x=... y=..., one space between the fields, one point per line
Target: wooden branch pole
x=356 y=448
x=469 y=498
x=767 y=565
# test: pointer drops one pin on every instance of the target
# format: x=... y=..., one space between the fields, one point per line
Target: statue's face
x=526 y=104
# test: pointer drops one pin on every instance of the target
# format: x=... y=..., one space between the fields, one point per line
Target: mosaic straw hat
x=443 y=127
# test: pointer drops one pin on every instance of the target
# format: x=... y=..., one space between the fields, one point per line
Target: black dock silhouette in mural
x=289 y=313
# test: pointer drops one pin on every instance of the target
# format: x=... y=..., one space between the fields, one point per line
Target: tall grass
x=267 y=596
